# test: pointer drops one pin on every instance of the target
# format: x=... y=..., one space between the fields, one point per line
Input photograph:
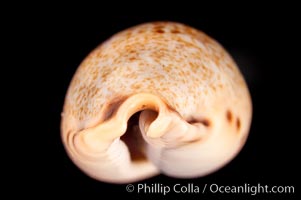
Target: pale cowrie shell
x=160 y=97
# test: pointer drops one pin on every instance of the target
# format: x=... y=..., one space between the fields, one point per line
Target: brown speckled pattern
x=190 y=71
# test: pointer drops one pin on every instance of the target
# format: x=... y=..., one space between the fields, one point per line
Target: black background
x=261 y=40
